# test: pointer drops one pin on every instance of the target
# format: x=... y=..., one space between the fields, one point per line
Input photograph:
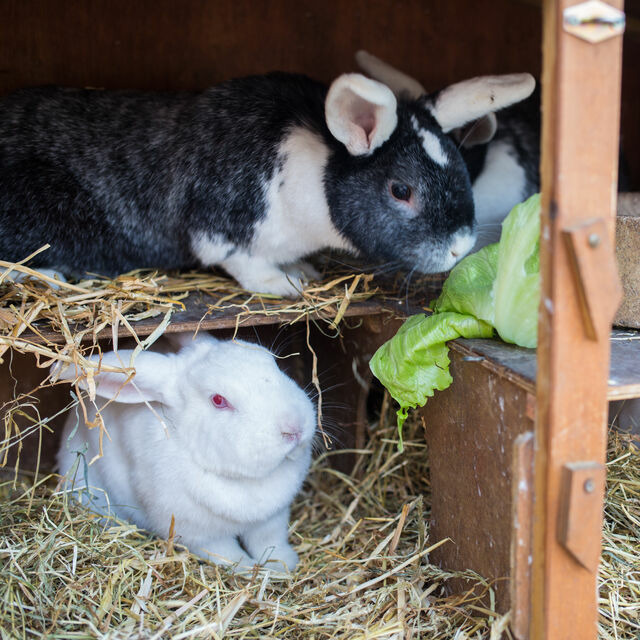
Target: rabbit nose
x=291 y=433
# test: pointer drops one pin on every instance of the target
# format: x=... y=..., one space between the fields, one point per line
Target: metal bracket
x=593 y=21
x=580 y=517
x=595 y=274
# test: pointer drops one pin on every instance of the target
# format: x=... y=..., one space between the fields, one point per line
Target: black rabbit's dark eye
x=401 y=191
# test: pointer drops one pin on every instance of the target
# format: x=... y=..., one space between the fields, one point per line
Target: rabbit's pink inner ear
x=360 y=113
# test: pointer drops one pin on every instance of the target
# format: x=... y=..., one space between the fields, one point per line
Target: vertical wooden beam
x=581 y=101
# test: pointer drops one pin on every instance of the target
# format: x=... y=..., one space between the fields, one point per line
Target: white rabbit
x=234 y=453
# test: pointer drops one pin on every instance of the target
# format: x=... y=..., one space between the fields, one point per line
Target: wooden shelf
x=520 y=365
x=198 y=315
x=514 y=363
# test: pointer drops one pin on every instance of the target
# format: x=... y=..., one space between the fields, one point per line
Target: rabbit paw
x=302 y=271
x=228 y=553
x=256 y=274
x=17 y=276
x=280 y=284
x=280 y=558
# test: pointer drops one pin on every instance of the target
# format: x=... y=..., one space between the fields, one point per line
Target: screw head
x=589 y=485
x=594 y=240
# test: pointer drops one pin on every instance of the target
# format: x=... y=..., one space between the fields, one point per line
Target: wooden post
x=581 y=102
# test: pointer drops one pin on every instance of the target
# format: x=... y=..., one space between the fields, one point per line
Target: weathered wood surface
x=521 y=534
x=581 y=86
x=520 y=365
x=471 y=429
x=197 y=315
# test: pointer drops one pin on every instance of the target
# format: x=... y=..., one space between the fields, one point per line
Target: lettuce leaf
x=497 y=287
x=415 y=362
x=469 y=287
x=517 y=286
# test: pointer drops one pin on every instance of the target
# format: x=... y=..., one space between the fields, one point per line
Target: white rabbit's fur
x=227 y=475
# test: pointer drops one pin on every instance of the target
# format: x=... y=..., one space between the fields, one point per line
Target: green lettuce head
x=499 y=286
x=517 y=287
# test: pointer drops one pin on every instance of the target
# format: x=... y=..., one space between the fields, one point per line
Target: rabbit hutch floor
x=363 y=537
x=364 y=572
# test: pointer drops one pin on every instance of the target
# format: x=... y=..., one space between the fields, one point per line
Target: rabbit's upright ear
x=400 y=83
x=360 y=113
x=466 y=101
x=155 y=378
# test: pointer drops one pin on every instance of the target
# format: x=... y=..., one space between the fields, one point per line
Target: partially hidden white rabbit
x=231 y=455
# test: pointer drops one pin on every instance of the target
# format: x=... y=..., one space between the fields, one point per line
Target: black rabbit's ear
x=360 y=113
x=150 y=378
x=466 y=101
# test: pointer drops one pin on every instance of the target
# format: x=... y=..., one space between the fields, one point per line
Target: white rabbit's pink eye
x=220 y=402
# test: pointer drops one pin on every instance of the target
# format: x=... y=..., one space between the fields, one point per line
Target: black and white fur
x=501 y=151
x=251 y=175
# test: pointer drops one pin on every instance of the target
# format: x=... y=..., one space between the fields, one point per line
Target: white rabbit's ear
x=183 y=339
x=400 y=83
x=465 y=101
x=154 y=380
x=360 y=113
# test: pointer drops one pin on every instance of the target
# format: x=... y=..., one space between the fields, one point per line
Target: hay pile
x=619 y=575
x=62 y=321
x=364 y=546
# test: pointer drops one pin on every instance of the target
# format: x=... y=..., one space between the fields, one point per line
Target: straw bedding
x=363 y=538
x=364 y=546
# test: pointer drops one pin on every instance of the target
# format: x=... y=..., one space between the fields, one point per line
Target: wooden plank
x=197 y=314
x=522 y=527
x=628 y=256
x=471 y=444
x=581 y=90
x=515 y=363
x=520 y=365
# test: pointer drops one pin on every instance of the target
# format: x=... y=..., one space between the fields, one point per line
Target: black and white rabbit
x=251 y=175
x=233 y=452
x=501 y=151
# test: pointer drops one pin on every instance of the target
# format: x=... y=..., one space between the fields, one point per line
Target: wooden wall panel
x=19 y=375
x=190 y=44
x=471 y=446
x=193 y=43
